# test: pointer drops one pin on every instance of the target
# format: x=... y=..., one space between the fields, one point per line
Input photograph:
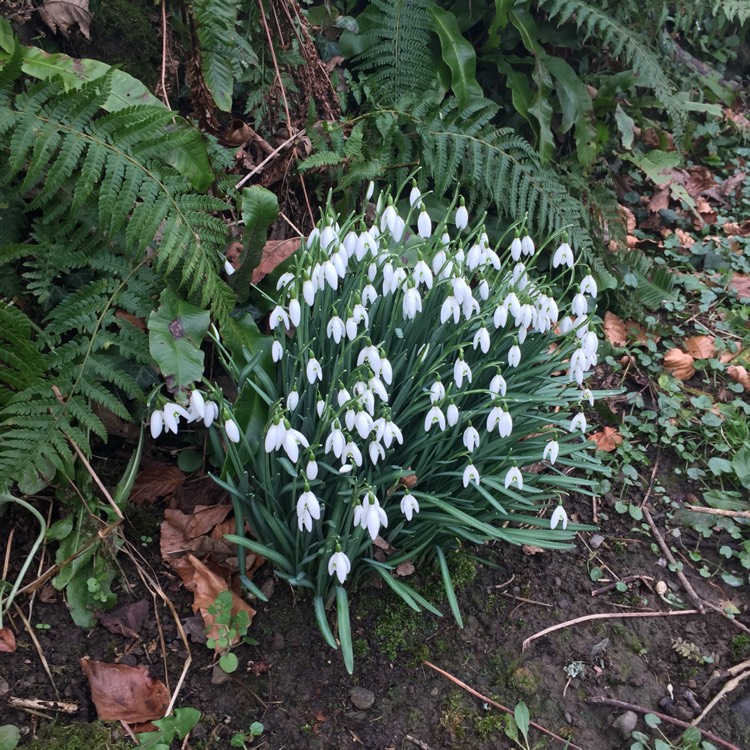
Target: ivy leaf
x=176 y=331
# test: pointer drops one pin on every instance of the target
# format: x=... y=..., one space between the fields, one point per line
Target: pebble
x=268 y=587
x=278 y=642
x=568 y=717
x=362 y=698
x=596 y=541
x=219 y=676
x=625 y=723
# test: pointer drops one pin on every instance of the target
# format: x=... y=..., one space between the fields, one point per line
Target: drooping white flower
x=462 y=217
x=369 y=294
x=437 y=392
x=311 y=469
x=474 y=256
x=292 y=400
x=516 y=249
x=156 y=423
x=450 y=308
x=514 y=355
x=352 y=453
x=376 y=451
x=514 y=476
x=336 y=329
x=277 y=351
x=588 y=286
x=461 y=370
x=391 y=432
x=493 y=418
x=314 y=370
x=566 y=325
x=295 y=312
x=339 y=565
x=452 y=414
x=172 y=413
x=590 y=343
x=336 y=440
x=368 y=195
x=482 y=340
x=434 y=417
x=500 y=318
x=370 y=515
x=527 y=245
x=363 y=424
x=284 y=280
x=376 y=386
x=308 y=292
x=414 y=196
x=550 y=451
x=371 y=355
x=491 y=258
x=349 y=416
x=409 y=506
x=327 y=237
x=438 y=261
x=343 y=397
x=498 y=385
x=512 y=304
x=229 y=269
x=558 y=515
x=386 y=370
x=424 y=224
x=422 y=274
x=275 y=436
x=232 y=431
x=212 y=411
x=563 y=256
x=578 y=423
x=522 y=333
x=279 y=315
x=292 y=441
x=579 y=306
x=320 y=406
x=504 y=423
x=484 y=290
x=471 y=475
x=313 y=236
x=588 y=395
x=350 y=243
x=412 y=303
x=308 y=508
x=471 y=438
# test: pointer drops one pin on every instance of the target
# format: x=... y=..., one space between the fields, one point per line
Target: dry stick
x=507 y=710
x=98 y=481
x=606 y=616
x=42 y=705
x=627 y=579
x=265 y=161
x=719 y=511
x=164 y=53
x=728 y=687
x=650 y=487
x=38 y=647
x=526 y=601
x=669 y=719
x=698 y=603
x=418 y=743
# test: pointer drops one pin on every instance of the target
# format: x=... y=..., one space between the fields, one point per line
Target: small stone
x=278 y=642
x=596 y=541
x=625 y=723
x=362 y=698
x=219 y=676
x=268 y=587
x=666 y=703
x=568 y=717
x=434 y=692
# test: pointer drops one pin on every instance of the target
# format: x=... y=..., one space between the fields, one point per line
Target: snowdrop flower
x=314 y=371
x=493 y=418
x=339 y=564
x=351 y=453
x=409 y=506
x=514 y=356
x=229 y=269
x=311 y=469
x=292 y=400
x=461 y=370
x=550 y=451
x=450 y=308
x=490 y=258
x=414 y=196
x=330 y=274
x=363 y=424
x=277 y=351
x=588 y=395
x=512 y=304
x=375 y=385
x=308 y=292
x=386 y=370
x=514 y=476
x=516 y=249
x=424 y=225
x=295 y=311
x=350 y=243
x=292 y=441
x=320 y=406
x=369 y=294
x=439 y=261
x=422 y=274
x=588 y=286
x=157 y=423
x=370 y=515
x=579 y=306
x=232 y=431
x=471 y=438
x=279 y=315
x=484 y=290
x=474 y=257
x=284 y=280
x=359 y=315
x=212 y=411
x=578 y=423
x=504 y=423
x=471 y=475
x=563 y=256
x=437 y=392
x=336 y=440
x=343 y=396
x=498 y=385
x=452 y=414
x=566 y=325
x=371 y=355
x=336 y=329
x=376 y=451
x=522 y=333
x=482 y=340
x=349 y=416
x=557 y=516
x=197 y=405
x=308 y=508
x=500 y=318
x=462 y=217
x=590 y=343
x=412 y=303
x=391 y=432
x=171 y=414
x=368 y=195
x=314 y=235
x=275 y=436
x=527 y=245
x=434 y=416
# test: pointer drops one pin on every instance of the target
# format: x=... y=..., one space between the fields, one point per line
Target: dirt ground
x=294 y=684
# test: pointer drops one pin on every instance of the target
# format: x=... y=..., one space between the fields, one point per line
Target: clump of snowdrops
x=429 y=392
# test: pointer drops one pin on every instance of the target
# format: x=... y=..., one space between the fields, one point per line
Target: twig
x=98 y=481
x=719 y=511
x=650 y=487
x=418 y=743
x=606 y=616
x=728 y=687
x=42 y=705
x=527 y=601
x=627 y=579
x=38 y=647
x=164 y=53
x=507 y=710
x=265 y=161
x=698 y=603
x=669 y=719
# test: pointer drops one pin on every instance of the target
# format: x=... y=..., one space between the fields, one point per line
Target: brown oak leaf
x=679 y=364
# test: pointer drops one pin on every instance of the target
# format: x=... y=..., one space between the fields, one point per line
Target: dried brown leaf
x=659 y=200
x=614 y=329
x=126 y=620
x=406 y=568
x=65 y=14
x=740 y=284
x=607 y=439
x=7 y=641
x=123 y=693
x=155 y=481
x=686 y=239
x=739 y=374
x=275 y=252
x=193 y=532
x=701 y=347
x=679 y=364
